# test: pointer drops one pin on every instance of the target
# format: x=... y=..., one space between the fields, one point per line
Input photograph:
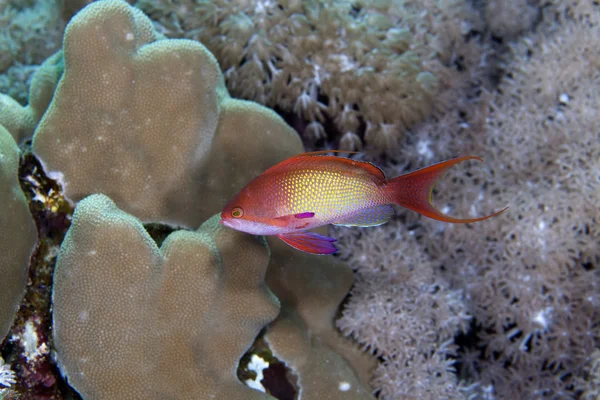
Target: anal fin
x=373 y=216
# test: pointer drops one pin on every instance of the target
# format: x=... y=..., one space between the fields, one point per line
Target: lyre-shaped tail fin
x=414 y=191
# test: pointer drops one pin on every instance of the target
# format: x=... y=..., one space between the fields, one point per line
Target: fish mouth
x=227 y=223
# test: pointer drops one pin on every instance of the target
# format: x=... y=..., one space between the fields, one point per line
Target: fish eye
x=237 y=212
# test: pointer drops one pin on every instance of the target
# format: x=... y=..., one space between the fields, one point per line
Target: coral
x=21 y=120
x=29 y=345
x=30 y=31
x=16 y=80
x=538 y=302
x=528 y=278
x=149 y=122
x=135 y=321
x=591 y=387
x=69 y=8
x=328 y=366
x=7 y=376
x=214 y=146
x=18 y=234
x=508 y=19
x=369 y=70
x=15 y=118
x=43 y=85
x=402 y=310
x=507 y=308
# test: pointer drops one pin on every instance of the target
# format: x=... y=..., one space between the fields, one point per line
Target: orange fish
x=313 y=189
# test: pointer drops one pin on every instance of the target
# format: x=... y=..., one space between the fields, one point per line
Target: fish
x=314 y=189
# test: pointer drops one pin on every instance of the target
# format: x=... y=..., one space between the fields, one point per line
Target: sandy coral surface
x=508 y=308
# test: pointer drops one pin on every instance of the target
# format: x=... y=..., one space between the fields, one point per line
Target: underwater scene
x=299 y=199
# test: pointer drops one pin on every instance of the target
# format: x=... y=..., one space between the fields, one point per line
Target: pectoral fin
x=310 y=242
x=370 y=217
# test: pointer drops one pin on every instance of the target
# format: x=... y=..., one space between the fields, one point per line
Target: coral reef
x=18 y=236
x=508 y=308
x=217 y=144
x=29 y=32
x=154 y=315
x=509 y=18
x=591 y=386
x=20 y=120
x=365 y=70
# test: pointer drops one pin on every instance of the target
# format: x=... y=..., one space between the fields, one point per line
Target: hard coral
x=18 y=235
x=371 y=69
x=327 y=366
x=149 y=122
x=135 y=321
x=21 y=120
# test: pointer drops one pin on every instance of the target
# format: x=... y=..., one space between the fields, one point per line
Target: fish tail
x=414 y=191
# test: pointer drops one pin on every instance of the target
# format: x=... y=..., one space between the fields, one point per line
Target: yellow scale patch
x=329 y=194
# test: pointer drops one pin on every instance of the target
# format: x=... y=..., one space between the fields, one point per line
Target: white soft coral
x=7 y=376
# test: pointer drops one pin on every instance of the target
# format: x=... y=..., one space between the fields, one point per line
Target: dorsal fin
x=321 y=152
x=369 y=167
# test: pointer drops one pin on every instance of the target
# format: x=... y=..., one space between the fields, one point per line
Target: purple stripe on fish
x=305 y=215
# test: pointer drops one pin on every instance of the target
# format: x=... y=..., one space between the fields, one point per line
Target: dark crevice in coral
x=37 y=376
x=279 y=381
x=159 y=232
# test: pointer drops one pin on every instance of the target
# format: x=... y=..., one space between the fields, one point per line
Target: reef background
x=505 y=309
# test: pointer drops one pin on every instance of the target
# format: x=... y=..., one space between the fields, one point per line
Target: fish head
x=233 y=217
x=242 y=217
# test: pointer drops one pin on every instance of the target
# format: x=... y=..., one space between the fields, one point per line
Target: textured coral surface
x=158 y=114
x=135 y=321
x=328 y=366
x=17 y=235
